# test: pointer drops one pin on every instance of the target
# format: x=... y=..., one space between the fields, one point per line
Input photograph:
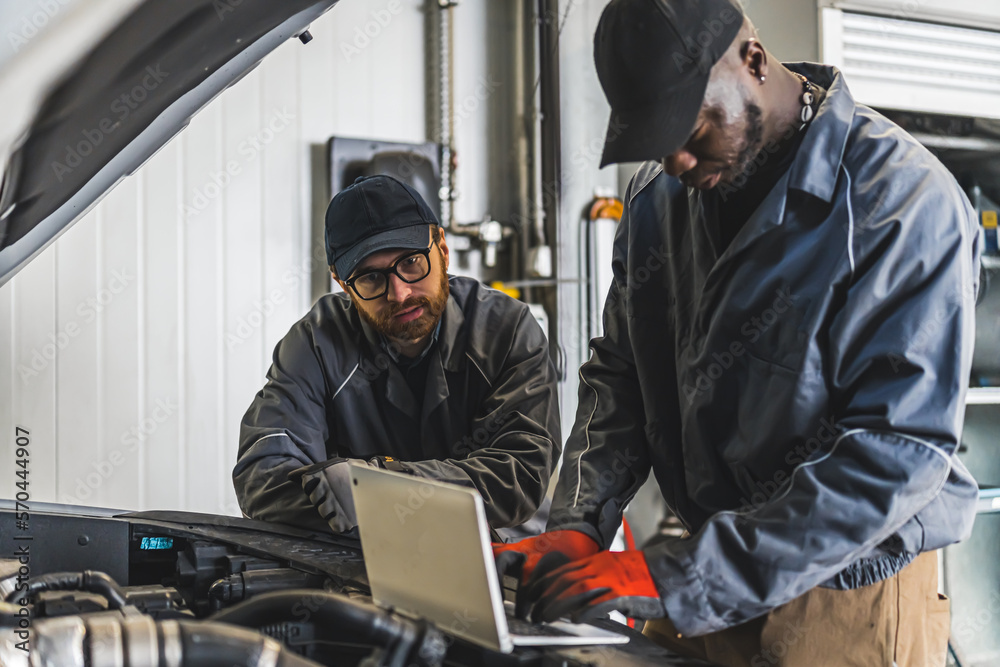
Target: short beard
x=754 y=138
x=415 y=329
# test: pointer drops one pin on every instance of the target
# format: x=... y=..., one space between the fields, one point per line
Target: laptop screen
x=427 y=552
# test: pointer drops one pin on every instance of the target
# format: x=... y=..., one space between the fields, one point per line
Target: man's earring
x=762 y=79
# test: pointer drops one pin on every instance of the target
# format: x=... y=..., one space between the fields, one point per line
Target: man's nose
x=679 y=163
x=399 y=290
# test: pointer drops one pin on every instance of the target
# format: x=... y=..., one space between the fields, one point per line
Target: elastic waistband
x=869 y=570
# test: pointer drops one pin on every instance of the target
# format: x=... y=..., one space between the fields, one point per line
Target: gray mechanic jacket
x=490 y=417
x=800 y=398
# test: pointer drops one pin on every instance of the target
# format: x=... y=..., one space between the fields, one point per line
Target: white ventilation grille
x=911 y=65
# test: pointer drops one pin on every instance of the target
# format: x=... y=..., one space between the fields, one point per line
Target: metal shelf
x=991 y=261
x=983 y=396
x=989 y=501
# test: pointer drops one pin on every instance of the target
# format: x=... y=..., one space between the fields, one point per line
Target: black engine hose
x=90 y=581
x=342 y=620
x=210 y=644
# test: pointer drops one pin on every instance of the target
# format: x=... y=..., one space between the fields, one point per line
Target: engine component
x=88 y=580
x=339 y=619
x=244 y=585
x=134 y=640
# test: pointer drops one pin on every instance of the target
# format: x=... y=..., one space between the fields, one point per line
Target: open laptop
x=427 y=551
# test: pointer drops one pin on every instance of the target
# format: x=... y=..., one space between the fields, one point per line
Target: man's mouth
x=709 y=182
x=704 y=183
x=409 y=314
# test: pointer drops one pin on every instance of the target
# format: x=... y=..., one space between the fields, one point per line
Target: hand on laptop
x=540 y=554
x=590 y=588
x=328 y=485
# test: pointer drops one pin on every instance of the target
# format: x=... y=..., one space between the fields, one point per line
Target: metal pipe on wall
x=440 y=98
x=523 y=142
x=551 y=156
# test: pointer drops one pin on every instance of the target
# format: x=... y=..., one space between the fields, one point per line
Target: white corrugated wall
x=131 y=347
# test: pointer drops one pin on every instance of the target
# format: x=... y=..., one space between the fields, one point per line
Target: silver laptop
x=427 y=551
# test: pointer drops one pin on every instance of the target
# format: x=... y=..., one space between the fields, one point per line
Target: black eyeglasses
x=410 y=268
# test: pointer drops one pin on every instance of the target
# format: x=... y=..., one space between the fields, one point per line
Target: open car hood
x=102 y=85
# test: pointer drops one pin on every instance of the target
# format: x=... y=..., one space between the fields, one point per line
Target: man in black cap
x=409 y=369
x=787 y=345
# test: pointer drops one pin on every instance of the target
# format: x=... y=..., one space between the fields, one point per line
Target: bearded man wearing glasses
x=409 y=369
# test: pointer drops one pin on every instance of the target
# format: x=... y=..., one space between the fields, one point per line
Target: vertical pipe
x=440 y=106
x=445 y=43
x=548 y=59
x=532 y=228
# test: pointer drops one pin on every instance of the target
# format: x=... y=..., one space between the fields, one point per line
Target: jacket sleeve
x=513 y=441
x=283 y=429
x=899 y=358
x=606 y=458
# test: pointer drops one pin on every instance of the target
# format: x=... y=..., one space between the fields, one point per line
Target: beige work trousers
x=898 y=621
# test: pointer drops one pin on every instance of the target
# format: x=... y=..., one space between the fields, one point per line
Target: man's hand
x=328 y=485
x=590 y=588
x=540 y=555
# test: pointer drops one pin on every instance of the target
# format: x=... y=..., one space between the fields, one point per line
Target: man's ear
x=754 y=58
x=443 y=245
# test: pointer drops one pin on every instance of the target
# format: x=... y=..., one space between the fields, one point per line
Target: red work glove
x=592 y=587
x=521 y=559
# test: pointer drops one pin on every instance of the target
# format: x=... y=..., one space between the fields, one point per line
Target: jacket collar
x=452 y=344
x=391 y=350
x=817 y=164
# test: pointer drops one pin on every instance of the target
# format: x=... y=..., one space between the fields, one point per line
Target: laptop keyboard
x=526 y=629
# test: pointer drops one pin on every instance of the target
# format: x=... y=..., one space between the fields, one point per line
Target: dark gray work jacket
x=799 y=395
x=489 y=419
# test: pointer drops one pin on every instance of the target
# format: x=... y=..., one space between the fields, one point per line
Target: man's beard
x=754 y=141
x=384 y=322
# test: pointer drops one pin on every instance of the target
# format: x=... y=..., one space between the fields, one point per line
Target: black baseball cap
x=375 y=213
x=654 y=58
